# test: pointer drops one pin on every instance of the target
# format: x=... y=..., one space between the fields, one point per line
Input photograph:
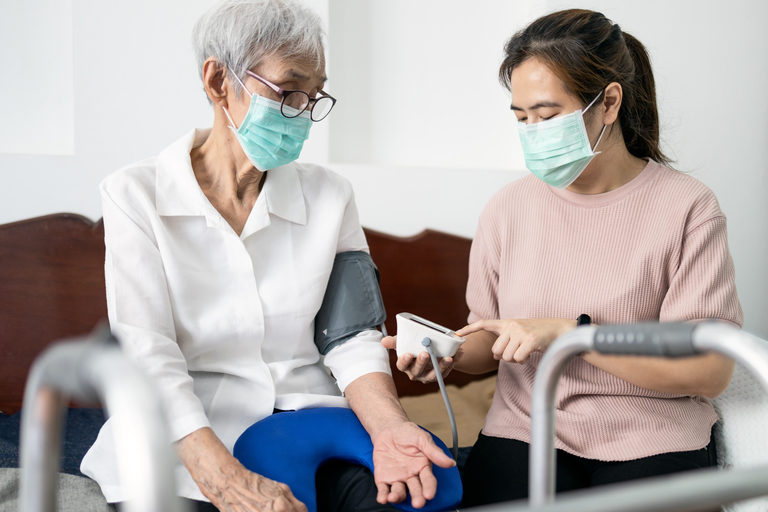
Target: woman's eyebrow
x=541 y=104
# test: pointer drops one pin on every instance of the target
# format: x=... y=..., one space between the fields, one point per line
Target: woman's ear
x=612 y=102
x=214 y=81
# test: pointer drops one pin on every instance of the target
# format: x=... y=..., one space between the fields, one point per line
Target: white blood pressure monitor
x=412 y=329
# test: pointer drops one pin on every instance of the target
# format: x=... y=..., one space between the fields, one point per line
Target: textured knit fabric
x=654 y=249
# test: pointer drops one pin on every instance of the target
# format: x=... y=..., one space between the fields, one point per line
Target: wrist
x=202 y=452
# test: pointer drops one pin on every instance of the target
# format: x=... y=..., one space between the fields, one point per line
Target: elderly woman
x=218 y=254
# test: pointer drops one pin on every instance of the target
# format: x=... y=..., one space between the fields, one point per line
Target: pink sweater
x=653 y=249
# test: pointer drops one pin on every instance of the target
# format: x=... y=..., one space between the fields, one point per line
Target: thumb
x=436 y=455
x=389 y=342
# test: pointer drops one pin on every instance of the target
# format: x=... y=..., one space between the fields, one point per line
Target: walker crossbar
x=93 y=369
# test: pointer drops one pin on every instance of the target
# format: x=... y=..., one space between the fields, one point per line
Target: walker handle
x=647 y=339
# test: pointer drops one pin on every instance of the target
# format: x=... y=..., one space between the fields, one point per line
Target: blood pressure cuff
x=352 y=301
x=290 y=446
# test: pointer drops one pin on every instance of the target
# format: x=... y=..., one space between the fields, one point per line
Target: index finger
x=480 y=325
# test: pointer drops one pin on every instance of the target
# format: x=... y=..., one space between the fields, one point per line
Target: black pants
x=497 y=469
x=341 y=487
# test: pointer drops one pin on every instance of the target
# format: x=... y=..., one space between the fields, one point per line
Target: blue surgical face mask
x=558 y=150
x=268 y=138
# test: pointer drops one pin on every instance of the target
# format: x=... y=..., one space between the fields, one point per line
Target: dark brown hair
x=587 y=51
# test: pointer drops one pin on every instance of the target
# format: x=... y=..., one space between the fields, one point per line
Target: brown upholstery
x=52 y=286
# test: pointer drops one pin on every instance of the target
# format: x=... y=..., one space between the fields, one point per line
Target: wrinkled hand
x=419 y=367
x=402 y=458
x=227 y=483
x=518 y=338
x=237 y=489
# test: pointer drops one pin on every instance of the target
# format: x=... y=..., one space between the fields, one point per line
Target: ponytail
x=639 y=114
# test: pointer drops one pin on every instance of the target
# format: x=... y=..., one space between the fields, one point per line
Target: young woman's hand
x=419 y=367
x=518 y=338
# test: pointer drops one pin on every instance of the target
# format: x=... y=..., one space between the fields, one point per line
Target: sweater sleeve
x=483 y=283
x=703 y=284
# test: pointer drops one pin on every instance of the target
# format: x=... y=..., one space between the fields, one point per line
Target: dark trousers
x=341 y=487
x=497 y=469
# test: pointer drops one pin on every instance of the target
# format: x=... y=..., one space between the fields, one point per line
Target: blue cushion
x=82 y=427
x=289 y=447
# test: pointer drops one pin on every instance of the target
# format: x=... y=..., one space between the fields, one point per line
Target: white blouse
x=224 y=323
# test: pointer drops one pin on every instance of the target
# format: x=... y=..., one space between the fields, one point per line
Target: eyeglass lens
x=296 y=102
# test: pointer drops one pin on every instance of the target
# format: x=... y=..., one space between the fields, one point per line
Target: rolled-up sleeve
x=141 y=316
x=363 y=353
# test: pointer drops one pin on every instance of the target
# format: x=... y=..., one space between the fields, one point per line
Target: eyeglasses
x=296 y=102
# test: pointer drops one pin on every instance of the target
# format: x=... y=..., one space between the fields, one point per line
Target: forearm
x=475 y=356
x=706 y=375
x=205 y=456
x=373 y=398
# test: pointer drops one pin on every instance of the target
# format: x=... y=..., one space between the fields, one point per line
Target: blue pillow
x=82 y=427
x=289 y=447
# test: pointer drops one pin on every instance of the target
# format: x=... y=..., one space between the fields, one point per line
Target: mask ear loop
x=602 y=132
x=250 y=94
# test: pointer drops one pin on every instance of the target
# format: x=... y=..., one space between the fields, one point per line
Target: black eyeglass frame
x=287 y=92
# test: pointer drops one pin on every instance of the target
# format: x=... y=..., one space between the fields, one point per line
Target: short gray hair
x=239 y=33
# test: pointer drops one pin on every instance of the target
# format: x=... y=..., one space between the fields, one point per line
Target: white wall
x=421 y=128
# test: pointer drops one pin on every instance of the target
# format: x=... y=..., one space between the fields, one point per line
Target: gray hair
x=239 y=33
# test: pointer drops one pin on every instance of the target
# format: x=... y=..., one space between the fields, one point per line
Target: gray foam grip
x=647 y=339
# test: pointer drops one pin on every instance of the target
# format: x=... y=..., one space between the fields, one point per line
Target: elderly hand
x=419 y=367
x=227 y=483
x=403 y=455
x=518 y=338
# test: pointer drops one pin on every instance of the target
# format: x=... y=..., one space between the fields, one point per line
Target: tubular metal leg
x=88 y=370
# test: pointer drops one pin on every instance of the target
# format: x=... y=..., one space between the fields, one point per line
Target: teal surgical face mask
x=558 y=150
x=268 y=138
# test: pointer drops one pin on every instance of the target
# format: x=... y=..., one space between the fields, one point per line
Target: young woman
x=603 y=231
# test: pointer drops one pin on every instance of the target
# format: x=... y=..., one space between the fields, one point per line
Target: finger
x=295 y=503
x=427 y=377
x=428 y=483
x=509 y=352
x=469 y=329
x=396 y=493
x=389 y=342
x=498 y=347
x=383 y=492
x=421 y=365
x=446 y=365
x=523 y=351
x=417 y=493
x=404 y=362
x=480 y=325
